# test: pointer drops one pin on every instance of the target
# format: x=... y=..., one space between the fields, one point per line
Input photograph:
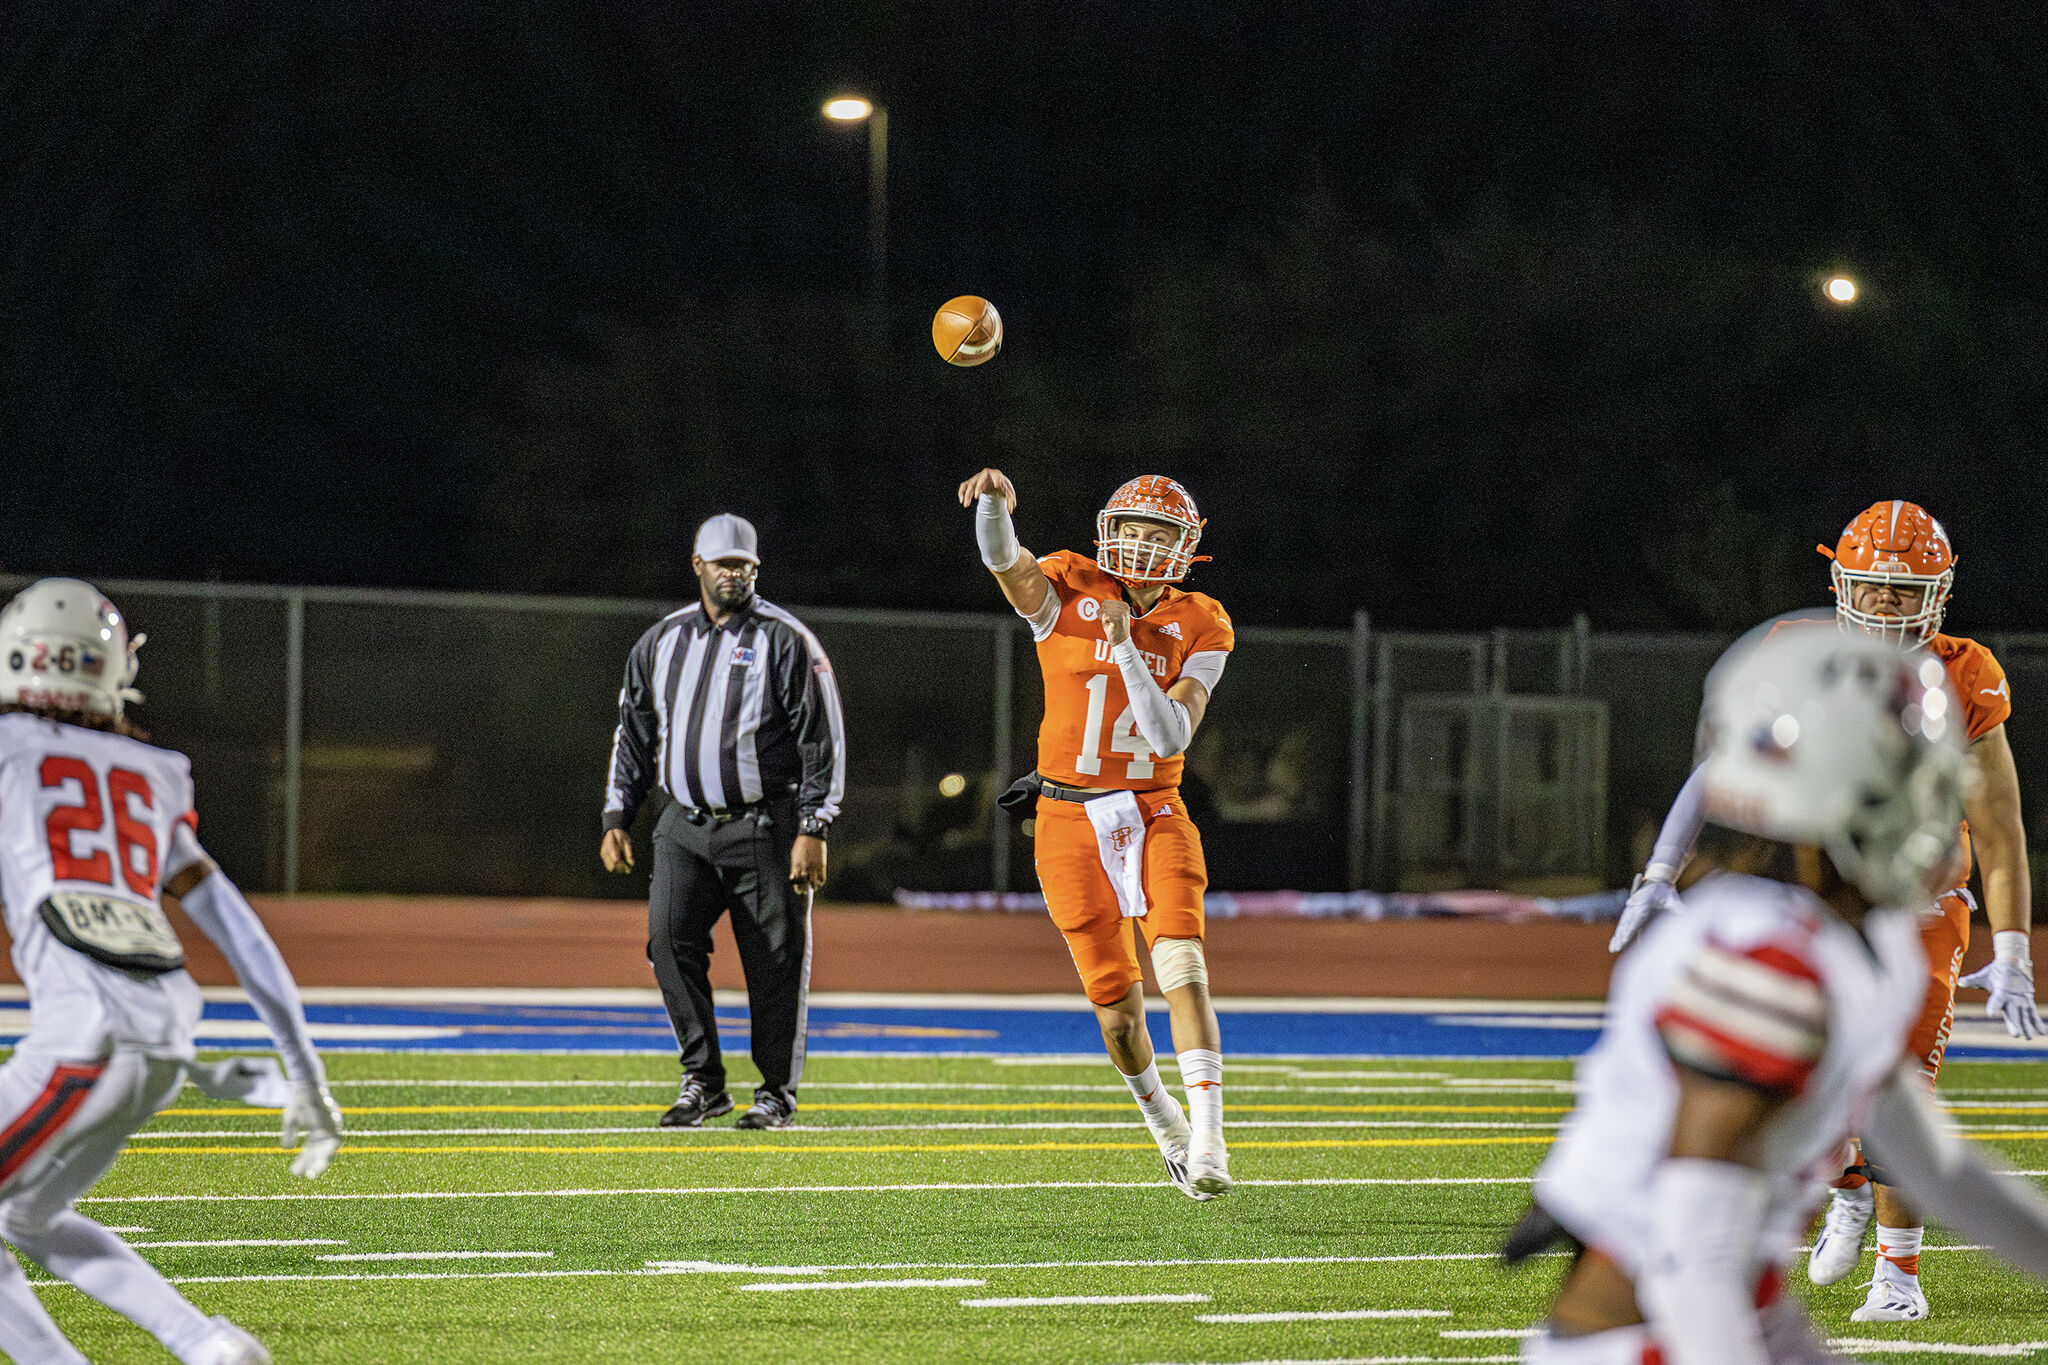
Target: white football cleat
x=1840 y=1244
x=1892 y=1299
x=230 y=1345
x=1209 y=1169
x=1176 y=1159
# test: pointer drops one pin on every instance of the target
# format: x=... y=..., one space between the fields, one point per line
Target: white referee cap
x=726 y=536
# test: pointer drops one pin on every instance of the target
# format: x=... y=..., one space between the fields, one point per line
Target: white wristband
x=2012 y=945
x=1661 y=872
x=994 y=532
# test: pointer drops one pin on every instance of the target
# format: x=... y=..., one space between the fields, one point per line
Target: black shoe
x=768 y=1111
x=696 y=1103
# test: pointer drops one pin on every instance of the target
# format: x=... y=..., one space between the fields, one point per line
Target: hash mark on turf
x=1073 y=1300
x=1331 y=1315
x=772 y=1286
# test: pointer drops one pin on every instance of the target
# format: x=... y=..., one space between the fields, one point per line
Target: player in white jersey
x=96 y=828
x=1747 y=1039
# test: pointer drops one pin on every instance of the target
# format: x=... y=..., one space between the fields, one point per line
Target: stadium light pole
x=854 y=109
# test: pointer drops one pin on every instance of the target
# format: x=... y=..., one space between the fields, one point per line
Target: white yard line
x=1490 y=1333
x=1333 y=1315
x=1890 y=1346
x=1368 y=1360
x=1075 y=1300
x=440 y=1256
x=721 y=1268
x=395 y=1275
x=1131 y=1125
x=673 y=1191
x=777 y=1286
x=252 y=1242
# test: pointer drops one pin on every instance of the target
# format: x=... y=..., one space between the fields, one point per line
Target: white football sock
x=1162 y=1111
x=1898 y=1252
x=27 y=1331
x=1201 y=1075
x=74 y=1248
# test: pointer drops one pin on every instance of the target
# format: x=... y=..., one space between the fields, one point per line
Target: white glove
x=1650 y=895
x=2009 y=976
x=313 y=1114
x=252 y=1080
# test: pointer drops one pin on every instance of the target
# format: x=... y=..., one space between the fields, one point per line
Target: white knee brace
x=1178 y=962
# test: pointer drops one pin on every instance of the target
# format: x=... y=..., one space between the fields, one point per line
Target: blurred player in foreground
x=1130 y=662
x=1747 y=1035
x=96 y=828
x=1893 y=570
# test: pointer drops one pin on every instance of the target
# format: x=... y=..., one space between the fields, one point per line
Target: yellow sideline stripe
x=758 y=1149
x=867 y=1107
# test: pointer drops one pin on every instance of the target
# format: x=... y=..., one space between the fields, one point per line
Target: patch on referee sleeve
x=1756 y=1016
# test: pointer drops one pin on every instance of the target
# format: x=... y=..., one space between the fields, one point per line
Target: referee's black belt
x=757 y=810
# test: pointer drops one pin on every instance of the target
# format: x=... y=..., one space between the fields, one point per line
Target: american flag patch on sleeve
x=1756 y=1016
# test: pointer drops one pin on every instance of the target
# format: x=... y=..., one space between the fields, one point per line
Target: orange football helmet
x=1150 y=497
x=1899 y=544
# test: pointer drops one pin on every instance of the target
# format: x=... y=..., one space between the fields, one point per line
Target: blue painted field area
x=569 y=1021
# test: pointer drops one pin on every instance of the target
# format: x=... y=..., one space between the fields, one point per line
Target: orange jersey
x=1089 y=737
x=1979 y=683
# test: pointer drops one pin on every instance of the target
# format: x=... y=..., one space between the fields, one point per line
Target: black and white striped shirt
x=725 y=716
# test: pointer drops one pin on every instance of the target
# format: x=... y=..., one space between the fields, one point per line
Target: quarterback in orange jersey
x=1130 y=662
x=1893 y=570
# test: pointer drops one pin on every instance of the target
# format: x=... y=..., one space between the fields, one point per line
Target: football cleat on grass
x=230 y=1345
x=1209 y=1171
x=1176 y=1159
x=696 y=1103
x=1893 y=1298
x=1840 y=1244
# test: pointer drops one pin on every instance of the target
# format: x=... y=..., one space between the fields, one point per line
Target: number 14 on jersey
x=1123 y=735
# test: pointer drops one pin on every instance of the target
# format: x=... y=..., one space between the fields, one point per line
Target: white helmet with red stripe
x=1137 y=559
x=1841 y=741
x=64 y=647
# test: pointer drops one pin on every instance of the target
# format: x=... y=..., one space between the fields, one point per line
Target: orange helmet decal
x=1149 y=497
x=1894 y=545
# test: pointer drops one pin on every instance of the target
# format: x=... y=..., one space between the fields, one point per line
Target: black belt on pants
x=756 y=811
x=1031 y=784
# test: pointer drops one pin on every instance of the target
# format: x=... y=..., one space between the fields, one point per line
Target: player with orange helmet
x=1130 y=661
x=1893 y=569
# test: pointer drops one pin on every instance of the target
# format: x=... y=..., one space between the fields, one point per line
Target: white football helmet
x=65 y=647
x=1842 y=741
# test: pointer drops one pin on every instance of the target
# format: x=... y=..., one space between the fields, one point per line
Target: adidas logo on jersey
x=1171 y=628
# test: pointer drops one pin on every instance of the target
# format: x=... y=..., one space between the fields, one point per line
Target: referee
x=730 y=705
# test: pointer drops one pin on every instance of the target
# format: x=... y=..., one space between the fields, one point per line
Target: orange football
x=967 y=330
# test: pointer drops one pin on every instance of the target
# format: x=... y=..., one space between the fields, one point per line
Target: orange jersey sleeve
x=1974 y=672
x=1089 y=737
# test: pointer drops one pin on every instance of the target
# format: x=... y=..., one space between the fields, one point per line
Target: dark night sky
x=1471 y=314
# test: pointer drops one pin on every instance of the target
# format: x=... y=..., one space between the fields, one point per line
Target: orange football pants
x=1945 y=934
x=1083 y=903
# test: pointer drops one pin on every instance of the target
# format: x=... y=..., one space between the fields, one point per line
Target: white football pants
x=62 y=1124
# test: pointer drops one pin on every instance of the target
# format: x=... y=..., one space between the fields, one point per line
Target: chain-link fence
x=363 y=741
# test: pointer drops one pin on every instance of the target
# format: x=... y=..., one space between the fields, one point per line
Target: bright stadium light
x=952 y=784
x=848 y=108
x=1840 y=289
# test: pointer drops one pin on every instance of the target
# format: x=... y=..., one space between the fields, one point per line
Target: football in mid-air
x=967 y=330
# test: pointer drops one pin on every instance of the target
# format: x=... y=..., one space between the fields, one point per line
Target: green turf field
x=566 y=1228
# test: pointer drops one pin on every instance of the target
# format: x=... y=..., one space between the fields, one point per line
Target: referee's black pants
x=700 y=871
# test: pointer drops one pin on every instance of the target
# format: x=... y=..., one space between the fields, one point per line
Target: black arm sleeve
x=633 y=761
x=810 y=698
